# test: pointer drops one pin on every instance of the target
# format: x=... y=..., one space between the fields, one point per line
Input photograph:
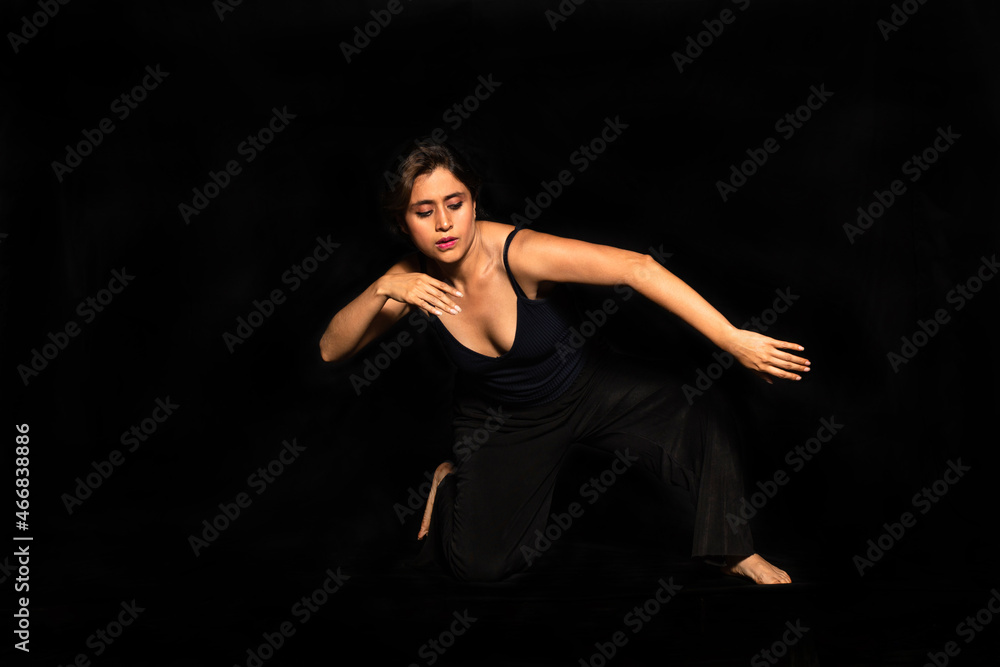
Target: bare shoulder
x=532 y=241
x=494 y=232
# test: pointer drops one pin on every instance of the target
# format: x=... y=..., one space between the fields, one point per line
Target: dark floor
x=566 y=611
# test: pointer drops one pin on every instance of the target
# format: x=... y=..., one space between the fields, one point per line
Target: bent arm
x=361 y=321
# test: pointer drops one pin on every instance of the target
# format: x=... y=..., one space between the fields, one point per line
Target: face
x=441 y=216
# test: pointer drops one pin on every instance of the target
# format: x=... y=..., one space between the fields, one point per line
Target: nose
x=444 y=224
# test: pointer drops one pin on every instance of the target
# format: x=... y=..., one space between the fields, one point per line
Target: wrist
x=728 y=337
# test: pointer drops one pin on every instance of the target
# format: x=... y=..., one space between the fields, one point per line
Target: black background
x=654 y=186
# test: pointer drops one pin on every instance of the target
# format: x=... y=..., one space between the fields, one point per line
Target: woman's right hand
x=430 y=295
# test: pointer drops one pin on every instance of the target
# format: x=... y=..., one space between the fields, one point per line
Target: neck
x=469 y=268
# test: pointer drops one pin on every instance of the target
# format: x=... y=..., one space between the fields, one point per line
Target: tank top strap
x=517 y=288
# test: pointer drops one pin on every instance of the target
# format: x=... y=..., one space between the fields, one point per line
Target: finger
x=434 y=306
x=797 y=364
x=787 y=356
x=789 y=362
x=440 y=299
x=443 y=303
x=787 y=345
x=783 y=374
x=445 y=287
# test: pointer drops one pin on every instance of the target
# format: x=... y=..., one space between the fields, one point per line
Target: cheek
x=419 y=231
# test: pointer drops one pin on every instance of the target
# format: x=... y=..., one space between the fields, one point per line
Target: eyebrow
x=431 y=201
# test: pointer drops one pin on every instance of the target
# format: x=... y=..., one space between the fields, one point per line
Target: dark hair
x=423 y=158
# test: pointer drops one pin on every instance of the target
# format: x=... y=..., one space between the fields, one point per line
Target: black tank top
x=547 y=354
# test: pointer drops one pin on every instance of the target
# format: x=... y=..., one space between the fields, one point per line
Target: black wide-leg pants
x=508 y=459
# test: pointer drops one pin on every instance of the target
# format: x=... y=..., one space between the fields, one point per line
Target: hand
x=418 y=289
x=766 y=356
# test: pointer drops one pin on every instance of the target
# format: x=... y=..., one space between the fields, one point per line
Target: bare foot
x=442 y=470
x=755 y=569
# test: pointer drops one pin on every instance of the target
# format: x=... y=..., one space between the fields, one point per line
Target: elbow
x=326 y=353
x=641 y=270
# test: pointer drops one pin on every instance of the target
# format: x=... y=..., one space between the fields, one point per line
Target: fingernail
x=437 y=312
x=458 y=308
x=458 y=294
x=453 y=311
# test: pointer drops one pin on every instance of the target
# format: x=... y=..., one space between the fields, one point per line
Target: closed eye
x=424 y=214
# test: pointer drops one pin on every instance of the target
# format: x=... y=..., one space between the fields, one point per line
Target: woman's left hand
x=766 y=356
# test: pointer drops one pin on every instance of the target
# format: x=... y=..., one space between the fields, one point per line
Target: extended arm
x=543 y=257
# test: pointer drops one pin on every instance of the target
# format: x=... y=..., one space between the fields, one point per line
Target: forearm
x=662 y=287
x=347 y=331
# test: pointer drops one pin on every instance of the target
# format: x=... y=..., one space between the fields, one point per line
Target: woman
x=493 y=293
